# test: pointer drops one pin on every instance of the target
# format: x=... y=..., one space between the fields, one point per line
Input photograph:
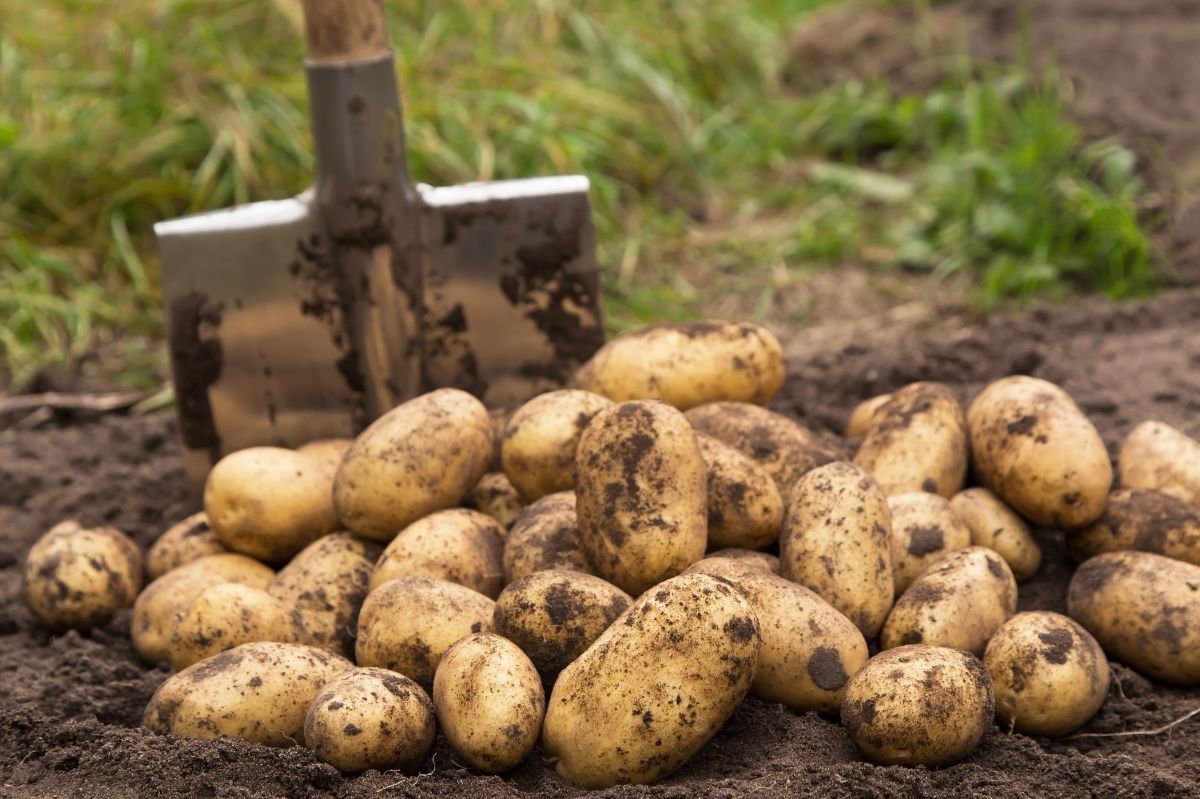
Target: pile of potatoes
x=612 y=568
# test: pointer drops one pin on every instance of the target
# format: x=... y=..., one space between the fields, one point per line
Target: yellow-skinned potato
x=745 y=510
x=919 y=706
x=489 y=702
x=77 y=577
x=1144 y=609
x=762 y=560
x=1037 y=451
x=924 y=527
x=960 y=601
x=861 y=416
x=1050 y=674
x=995 y=526
x=329 y=450
x=370 y=718
x=641 y=498
x=837 y=541
x=1145 y=520
x=419 y=457
x=268 y=502
x=1156 y=455
x=458 y=545
x=917 y=441
x=257 y=692
x=545 y=536
x=182 y=543
x=687 y=364
x=227 y=615
x=655 y=686
x=408 y=623
x=495 y=495
x=537 y=449
x=553 y=616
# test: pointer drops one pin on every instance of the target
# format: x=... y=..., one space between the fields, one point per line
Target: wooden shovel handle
x=345 y=30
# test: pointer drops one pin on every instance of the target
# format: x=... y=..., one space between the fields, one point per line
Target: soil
x=70 y=705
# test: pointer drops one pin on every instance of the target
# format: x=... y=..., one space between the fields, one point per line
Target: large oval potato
x=496 y=496
x=458 y=545
x=227 y=615
x=745 y=510
x=1156 y=455
x=655 y=686
x=1145 y=520
x=687 y=364
x=182 y=543
x=641 y=494
x=861 y=416
x=419 y=457
x=1034 y=447
x=995 y=526
x=1144 y=609
x=545 y=536
x=537 y=449
x=924 y=527
x=78 y=577
x=837 y=541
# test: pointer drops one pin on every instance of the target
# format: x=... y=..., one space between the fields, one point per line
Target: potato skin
x=1037 y=451
x=77 y=577
x=688 y=363
x=762 y=560
x=257 y=692
x=227 y=615
x=329 y=450
x=182 y=543
x=641 y=494
x=545 y=536
x=917 y=441
x=1050 y=674
x=457 y=545
x=1156 y=455
x=919 y=706
x=496 y=496
x=745 y=510
x=420 y=457
x=655 y=686
x=1145 y=520
x=860 y=417
x=537 y=448
x=1144 y=609
x=924 y=527
x=369 y=718
x=995 y=526
x=489 y=702
x=837 y=541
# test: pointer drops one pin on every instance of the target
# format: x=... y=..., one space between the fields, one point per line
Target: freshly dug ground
x=70 y=705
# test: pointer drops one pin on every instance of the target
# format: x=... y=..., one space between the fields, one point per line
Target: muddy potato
x=553 y=616
x=919 y=706
x=744 y=507
x=924 y=527
x=762 y=560
x=837 y=541
x=1049 y=673
x=329 y=450
x=641 y=497
x=408 y=623
x=458 y=545
x=419 y=457
x=182 y=543
x=1144 y=609
x=545 y=536
x=489 y=702
x=257 y=692
x=959 y=601
x=1145 y=520
x=77 y=577
x=995 y=526
x=227 y=615
x=917 y=441
x=1156 y=455
x=655 y=686
x=1037 y=451
x=496 y=496
x=268 y=502
x=687 y=364
x=370 y=718
x=537 y=449
x=860 y=417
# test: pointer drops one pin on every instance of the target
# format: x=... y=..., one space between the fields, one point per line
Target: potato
x=1156 y=455
x=545 y=536
x=762 y=560
x=860 y=417
x=268 y=502
x=924 y=527
x=489 y=702
x=496 y=496
x=537 y=450
x=419 y=457
x=408 y=623
x=744 y=506
x=78 y=577
x=1145 y=520
x=257 y=692
x=458 y=545
x=917 y=441
x=959 y=601
x=329 y=450
x=655 y=686
x=371 y=719
x=1144 y=609
x=919 y=706
x=687 y=364
x=227 y=615
x=1034 y=447
x=837 y=541
x=809 y=650
x=326 y=585
x=995 y=526
x=1050 y=675
x=182 y=543
x=641 y=497
x=553 y=616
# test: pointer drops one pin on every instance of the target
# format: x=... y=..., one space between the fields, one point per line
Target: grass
x=709 y=176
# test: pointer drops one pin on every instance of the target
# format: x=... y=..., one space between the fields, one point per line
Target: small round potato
x=419 y=457
x=861 y=416
x=1156 y=455
x=77 y=577
x=182 y=543
x=995 y=526
x=919 y=706
x=762 y=560
x=545 y=536
x=458 y=545
x=744 y=507
x=924 y=527
x=1050 y=675
x=1145 y=520
x=489 y=702
x=329 y=450
x=537 y=450
x=228 y=615
x=496 y=496
x=371 y=719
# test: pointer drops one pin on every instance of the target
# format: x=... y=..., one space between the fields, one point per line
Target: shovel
x=306 y=318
